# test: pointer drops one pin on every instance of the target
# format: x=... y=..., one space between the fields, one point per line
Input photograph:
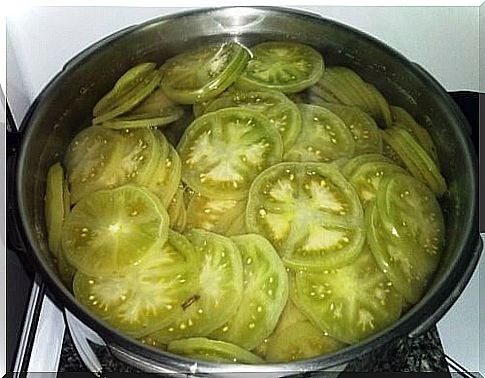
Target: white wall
x=443 y=40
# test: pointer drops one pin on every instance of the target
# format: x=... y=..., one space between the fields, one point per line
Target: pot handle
x=453 y=296
x=13 y=234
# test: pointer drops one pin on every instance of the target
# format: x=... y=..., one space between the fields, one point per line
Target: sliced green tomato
x=201 y=348
x=318 y=92
x=55 y=210
x=303 y=341
x=406 y=234
x=177 y=212
x=265 y=293
x=92 y=161
x=109 y=231
x=125 y=84
x=223 y=151
x=216 y=215
x=203 y=73
x=368 y=176
x=141 y=153
x=349 y=303
x=363 y=128
x=417 y=161
x=218 y=293
x=66 y=271
x=388 y=151
x=131 y=99
x=344 y=86
x=309 y=212
x=149 y=295
x=351 y=165
x=287 y=67
x=148 y=340
x=405 y=120
x=323 y=137
x=165 y=181
x=282 y=113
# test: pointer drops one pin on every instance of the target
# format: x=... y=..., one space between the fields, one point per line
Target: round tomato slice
x=220 y=216
x=66 y=271
x=223 y=151
x=131 y=99
x=156 y=111
x=148 y=296
x=310 y=213
x=388 y=151
x=303 y=341
x=405 y=120
x=218 y=293
x=92 y=160
x=417 y=161
x=406 y=234
x=55 y=210
x=323 y=137
x=349 y=303
x=287 y=67
x=203 y=73
x=363 y=128
x=367 y=177
x=110 y=230
x=201 y=348
x=125 y=84
x=265 y=293
x=282 y=113
x=166 y=178
x=177 y=212
x=353 y=164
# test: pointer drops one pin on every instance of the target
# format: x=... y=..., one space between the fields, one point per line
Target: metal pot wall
x=65 y=104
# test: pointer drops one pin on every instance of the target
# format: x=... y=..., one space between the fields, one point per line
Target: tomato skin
x=265 y=294
x=286 y=200
x=223 y=151
x=284 y=66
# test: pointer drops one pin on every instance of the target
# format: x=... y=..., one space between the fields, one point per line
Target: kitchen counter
x=422 y=354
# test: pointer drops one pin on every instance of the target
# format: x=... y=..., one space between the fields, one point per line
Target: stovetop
x=420 y=354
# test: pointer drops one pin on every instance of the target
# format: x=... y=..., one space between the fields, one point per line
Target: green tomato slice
x=216 y=215
x=351 y=165
x=109 y=231
x=388 y=151
x=417 y=161
x=201 y=348
x=324 y=137
x=405 y=120
x=155 y=111
x=203 y=73
x=223 y=151
x=282 y=113
x=363 y=128
x=177 y=212
x=218 y=292
x=309 y=212
x=350 y=303
x=126 y=83
x=367 y=177
x=287 y=67
x=148 y=296
x=265 y=293
x=92 y=161
x=303 y=341
x=166 y=178
x=131 y=99
x=406 y=234
x=54 y=206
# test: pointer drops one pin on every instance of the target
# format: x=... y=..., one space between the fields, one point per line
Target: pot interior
x=65 y=105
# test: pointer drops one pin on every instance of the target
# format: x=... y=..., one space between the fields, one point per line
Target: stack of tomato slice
x=244 y=206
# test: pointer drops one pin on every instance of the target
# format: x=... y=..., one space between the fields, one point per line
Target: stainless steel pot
x=65 y=104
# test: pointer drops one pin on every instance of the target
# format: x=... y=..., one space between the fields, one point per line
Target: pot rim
x=437 y=302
